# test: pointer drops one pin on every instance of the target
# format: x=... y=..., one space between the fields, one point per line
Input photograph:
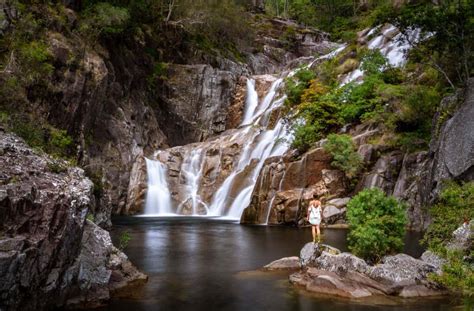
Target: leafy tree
x=448 y=29
x=377 y=224
x=344 y=154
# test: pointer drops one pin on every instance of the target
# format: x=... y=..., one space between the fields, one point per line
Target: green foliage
x=373 y=62
x=45 y=137
x=377 y=224
x=124 y=239
x=96 y=179
x=455 y=204
x=458 y=275
x=296 y=85
x=104 y=19
x=35 y=59
x=450 y=24
x=344 y=154
x=90 y=217
x=342 y=18
x=60 y=143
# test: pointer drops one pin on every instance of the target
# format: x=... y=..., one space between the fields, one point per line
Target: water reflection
x=204 y=264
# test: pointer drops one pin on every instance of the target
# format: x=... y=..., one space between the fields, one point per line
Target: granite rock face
x=454 y=147
x=47 y=249
x=42 y=215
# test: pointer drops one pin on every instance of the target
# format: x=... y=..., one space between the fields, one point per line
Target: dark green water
x=205 y=264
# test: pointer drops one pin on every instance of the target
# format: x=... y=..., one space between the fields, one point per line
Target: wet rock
x=352 y=285
x=286 y=263
x=285 y=186
x=411 y=186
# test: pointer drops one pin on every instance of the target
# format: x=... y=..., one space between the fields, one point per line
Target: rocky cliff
x=49 y=254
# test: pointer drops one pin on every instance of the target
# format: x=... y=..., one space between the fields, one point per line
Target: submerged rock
x=286 y=263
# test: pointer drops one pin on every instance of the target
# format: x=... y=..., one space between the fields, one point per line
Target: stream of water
x=209 y=264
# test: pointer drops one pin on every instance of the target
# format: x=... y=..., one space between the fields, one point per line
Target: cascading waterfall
x=257 y=138
x=158 y=199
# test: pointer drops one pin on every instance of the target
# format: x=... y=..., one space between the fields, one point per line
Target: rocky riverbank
x=323 y=269
x=50 y=255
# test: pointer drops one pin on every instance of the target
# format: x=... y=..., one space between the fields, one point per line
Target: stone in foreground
x=330 y=272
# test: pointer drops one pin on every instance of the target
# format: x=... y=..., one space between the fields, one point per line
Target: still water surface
x=208 y=264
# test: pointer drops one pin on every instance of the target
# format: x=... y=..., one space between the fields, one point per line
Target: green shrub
x=60 y=142
x=35 y=59
x=104 y=19
x=377 y=224
x=344 y=154
x=124 y=240
x=455 y=204
x=458 y=275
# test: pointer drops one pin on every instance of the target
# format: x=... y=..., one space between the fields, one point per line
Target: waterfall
x=262 y=134
x=158 y=199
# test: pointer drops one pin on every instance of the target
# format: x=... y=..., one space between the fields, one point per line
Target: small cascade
x=158 y=199
x=391 y=43
x=251 y=102
x=191 y=173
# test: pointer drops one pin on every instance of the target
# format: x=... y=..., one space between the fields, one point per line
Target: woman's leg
x=313 y=230
x=319 y=233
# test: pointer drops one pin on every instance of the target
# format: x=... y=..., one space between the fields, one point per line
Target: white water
x=395 y=48
x=191 y=172
x=251 y=102
x=158 y=199
x=231 y=198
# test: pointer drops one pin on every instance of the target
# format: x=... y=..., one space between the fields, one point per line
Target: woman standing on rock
x=314 y=217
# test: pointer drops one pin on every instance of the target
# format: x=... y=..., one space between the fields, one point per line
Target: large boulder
x=48 y=252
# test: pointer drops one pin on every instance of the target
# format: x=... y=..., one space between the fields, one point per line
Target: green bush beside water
x=377 y=224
